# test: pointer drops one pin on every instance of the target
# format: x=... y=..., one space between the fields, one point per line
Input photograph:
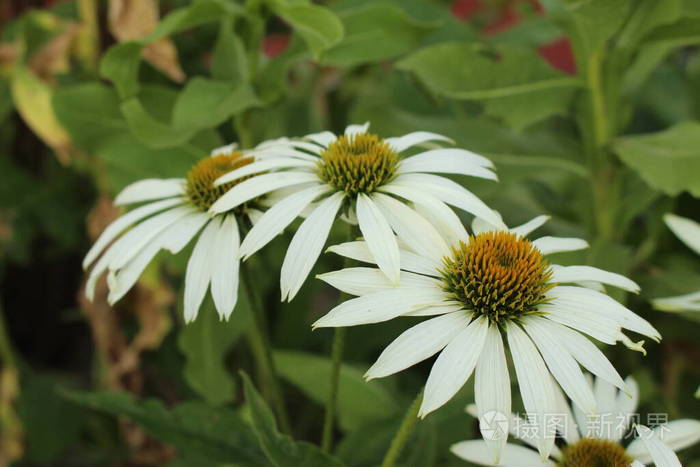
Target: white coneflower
x=174 y=211
x=689 y=233
x=491 y=284
x=592 y=441
x=365 y=177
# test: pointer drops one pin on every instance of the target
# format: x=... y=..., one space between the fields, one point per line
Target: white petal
x=199 y=270
x=560 y=363
x=149 y=189
x=606 y=306
x=379 y=237
x=118 y=226
x=225 y=264
x=355 y=129
x=278 y=217
x=401 y=143
x=549 y=245
x=259 y=185
x=434 y=210
x=418 y=343
x=579 y=317
x=586 y=353
x=448 y=156
x=324 y=138
x=662 y=455
x=449 y=192
x=380 y=306
x=677 y=435
x=480 y=225
x=439 y=161
x=492 y=393
x=263 y=166
x=187 y=228
x=411 y=227
x=454 y=366
x=686 y=229
x=535 y=386
x=513 y=455
x=131 y=243
x=289 y=152
x=306 y=245
x=688 y=302
x=409 y=261
x=626 y=402
x=362 y=281
x=588 y=273
x=636 y=463
x=566 y=423
x=529 y=226
x=441 y=309
x=224 y=150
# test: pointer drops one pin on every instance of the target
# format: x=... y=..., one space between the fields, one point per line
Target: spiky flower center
x=595 y=453
x=200 y=187
x=358 y=163
x=497 y=274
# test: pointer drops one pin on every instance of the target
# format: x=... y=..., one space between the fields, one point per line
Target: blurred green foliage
x=589 y=110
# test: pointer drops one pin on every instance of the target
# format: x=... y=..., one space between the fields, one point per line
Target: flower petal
x=449 y=161
x=418 y=343
x=662 y=455
x=686 y=229
x=264 y=165
x=355 y=129
x=150 y=189
x=528 y=227
x=199 y=270
x=306 y=245
x=454 y=366
x=513 y=455
x=575 y=274
x=549 y=245
x=535 y=386
x=362 y=281
x=411 y=227
x=677 y=435
x=259 y=185
x=579 y=317
x=560 y=363
x=379 y=237
x=187 y=228
x=359 y=251
x=401 y=143
x=324 y=138
x=492 y=392
x=380 y=306
x=119 y=225
x=278 y=217
x=225 y=265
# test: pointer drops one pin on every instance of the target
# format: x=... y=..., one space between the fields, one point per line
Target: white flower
x=689 y=232
x=594 y=440
x=492 y=284
x=364 y=176
x=175 y=210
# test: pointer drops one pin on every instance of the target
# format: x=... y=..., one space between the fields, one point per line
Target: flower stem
x=331 y=403
x=404 y=432
x=262 y=349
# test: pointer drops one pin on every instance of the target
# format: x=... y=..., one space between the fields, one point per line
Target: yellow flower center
x=595 y=453
x=497 y=274
x=200 y=187
x=358 y=163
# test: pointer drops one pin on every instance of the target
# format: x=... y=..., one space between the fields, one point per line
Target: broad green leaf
x=196 y=14
x=684 y=32
x=318 y=26
x=359 y=402
x=280 y=449
x=205 y=344
x=647 y=15
x=209 y=434
x=515 y=82
x=229 y=61
x=120 y=65
x=668 y=161
x=151 y=131
x=375 y=32
x=205 y=103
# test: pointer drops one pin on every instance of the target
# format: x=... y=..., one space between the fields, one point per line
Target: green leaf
x=205 y=343
x=376 y=32
x=198 y=13
x=683 y=32
x=647 y=15
x=318 y=26
x=280 y=449
x=121 y=65
x=229 y=61
x=668 y=161
x=516 y=83
x=205 y=103
x=149 y=130
x=210 y=434
x=359 y=402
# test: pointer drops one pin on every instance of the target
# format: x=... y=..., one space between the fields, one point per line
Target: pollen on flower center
x=595 y=453
x=497 y=274
x=200 y=187
x=358 y=163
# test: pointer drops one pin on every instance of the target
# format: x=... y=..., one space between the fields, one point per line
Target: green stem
x=331 y=403
x=404 y=432
x=262 y=350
